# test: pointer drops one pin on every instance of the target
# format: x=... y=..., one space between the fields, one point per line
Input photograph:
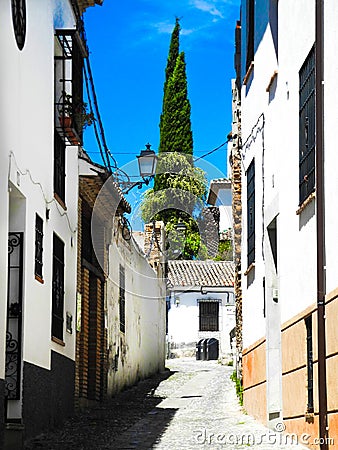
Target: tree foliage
x=175 y=131
x=179 y=188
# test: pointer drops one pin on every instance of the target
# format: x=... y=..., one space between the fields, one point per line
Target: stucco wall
x=26 y=183
x=183 y=320
x=140 y=351
x=254 y=380
x=270 y=134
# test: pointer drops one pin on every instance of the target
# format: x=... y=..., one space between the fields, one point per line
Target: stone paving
x=194 y=406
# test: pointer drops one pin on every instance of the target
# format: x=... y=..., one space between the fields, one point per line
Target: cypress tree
x=173 y=53
x=175 y=131
x=179 y=187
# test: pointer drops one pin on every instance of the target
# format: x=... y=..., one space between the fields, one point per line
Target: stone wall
x=154 y=243
x=236 y=185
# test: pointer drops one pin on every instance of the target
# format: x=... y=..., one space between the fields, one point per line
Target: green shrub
x=239 y=387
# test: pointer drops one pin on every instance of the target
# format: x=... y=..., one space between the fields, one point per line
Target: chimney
x=154 y=239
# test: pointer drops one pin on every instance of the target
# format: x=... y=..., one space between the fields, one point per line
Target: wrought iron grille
x=122 y=299
x=209 y=316
x=59 y=166
x=58 y=288
x=307 y=127
x=38 y=245
x=250 y=23
x=14 y=317
x=251 y=212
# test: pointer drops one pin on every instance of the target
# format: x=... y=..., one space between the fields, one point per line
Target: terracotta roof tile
x=201 y=273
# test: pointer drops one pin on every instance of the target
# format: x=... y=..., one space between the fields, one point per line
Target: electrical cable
x=105 y=153
x=211 y=151
x=98 y=116
x=105 y=163
x=37 y=183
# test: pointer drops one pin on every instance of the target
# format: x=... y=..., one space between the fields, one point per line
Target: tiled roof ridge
x=201 y=273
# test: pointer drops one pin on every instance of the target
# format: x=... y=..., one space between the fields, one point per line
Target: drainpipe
x=320 y=204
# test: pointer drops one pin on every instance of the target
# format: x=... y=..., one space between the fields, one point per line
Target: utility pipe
x=320 y=219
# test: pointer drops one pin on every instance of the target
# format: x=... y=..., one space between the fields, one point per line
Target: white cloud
x=207 y=6
x=164 y=27
x=167 y=28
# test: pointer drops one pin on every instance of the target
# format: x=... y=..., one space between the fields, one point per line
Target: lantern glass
x=147 y=161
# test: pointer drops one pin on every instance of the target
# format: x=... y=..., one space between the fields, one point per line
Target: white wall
x=183 y=320
x=276 y=148
x=141 y=348
x=330 y=130
x=26 y=158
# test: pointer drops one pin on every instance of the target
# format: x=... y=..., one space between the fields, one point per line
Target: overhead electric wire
x=105 y=163
x=88 y=74
x=211 y=151
x=105 y=153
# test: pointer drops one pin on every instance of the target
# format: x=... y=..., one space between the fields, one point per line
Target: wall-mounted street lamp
x=147 y=161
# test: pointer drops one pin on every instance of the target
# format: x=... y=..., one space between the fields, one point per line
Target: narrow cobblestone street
x=192 y=405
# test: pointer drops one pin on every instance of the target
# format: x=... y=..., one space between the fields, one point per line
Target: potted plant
x=73 y=117
x=65 y=110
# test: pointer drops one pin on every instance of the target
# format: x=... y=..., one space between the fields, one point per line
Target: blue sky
x=129 y=43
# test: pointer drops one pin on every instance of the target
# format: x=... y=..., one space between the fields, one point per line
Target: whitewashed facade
x=279 y=200
x=136 y=349
x=38 y=232
x=201 y=305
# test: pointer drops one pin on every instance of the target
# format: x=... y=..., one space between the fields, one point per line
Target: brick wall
x=91 y=336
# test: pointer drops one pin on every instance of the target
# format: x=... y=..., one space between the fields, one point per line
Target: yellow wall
x=254 y=381
x=294 y=379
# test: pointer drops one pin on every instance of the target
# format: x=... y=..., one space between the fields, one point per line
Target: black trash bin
x=212 y=352
x=198 y=349
x=203 y=353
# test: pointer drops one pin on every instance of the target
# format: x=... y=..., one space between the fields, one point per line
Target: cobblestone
x=192 y=406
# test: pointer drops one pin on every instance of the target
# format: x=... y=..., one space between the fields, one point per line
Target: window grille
x=307 y=127
x=209 y=316
x=122 y=299
x=59 y=166
x=58 y=288
x=251 y=212
x=250 y=51
x=77 y=86
x=38 y=246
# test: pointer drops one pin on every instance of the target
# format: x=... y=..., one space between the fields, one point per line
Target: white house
x=121 y=322
x=201 y=305
x=289 y=266
x=39 y=196
x=136 y=313
x=220 y=195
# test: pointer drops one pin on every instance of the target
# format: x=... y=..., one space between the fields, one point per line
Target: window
x=58 y=288
x=59 y=166
x=250 y=23
x=122 y=299
x=19 y=21
x=77 y=86
x=273 y=19
x=272 y=233
x=209 y=316
x=307 y=127
x=309 y=353
x=251 y=212
x=38 y=246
